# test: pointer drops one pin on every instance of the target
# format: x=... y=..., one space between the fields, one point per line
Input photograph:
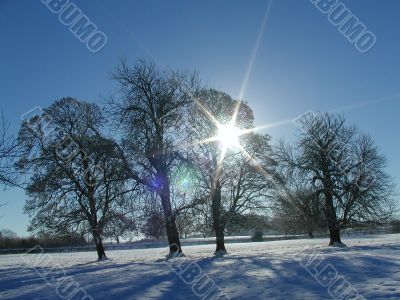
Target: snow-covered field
x=294 y=269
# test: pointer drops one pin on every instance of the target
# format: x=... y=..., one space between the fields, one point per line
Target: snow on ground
x=293 y=269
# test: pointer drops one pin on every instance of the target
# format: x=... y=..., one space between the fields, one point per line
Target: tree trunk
x=101 y=254
x=334 y=230
x=170 y=224
x=220 y=239
x=334 y=234
x=218 y=223
x=310 y=233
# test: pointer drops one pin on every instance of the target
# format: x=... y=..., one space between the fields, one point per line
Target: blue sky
x=302 y=62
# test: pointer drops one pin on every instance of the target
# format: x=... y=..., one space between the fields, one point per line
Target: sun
x=228 y=135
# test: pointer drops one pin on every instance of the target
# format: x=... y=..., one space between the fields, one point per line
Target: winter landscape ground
x=191 y=124
x=294 y=269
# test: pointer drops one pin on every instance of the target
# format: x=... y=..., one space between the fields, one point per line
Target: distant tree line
x=153 y=161
x=10 y=240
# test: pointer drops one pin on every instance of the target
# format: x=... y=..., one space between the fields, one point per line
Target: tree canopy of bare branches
x=149 y=109
x=8 y=154
x=76 y=172
x=344 y=170
x=233 y=182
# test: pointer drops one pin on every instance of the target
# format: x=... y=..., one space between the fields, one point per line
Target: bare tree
x=150 y=111
x=297 y=203
x=8 y=154
x=250 y=178
x=120 y=225
x=344 y=170
x=76 y=173
x=233 y=180
x=202 y=220
x=153 y=226
x=207 y=156
x=185 y=221
x=6 y=233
